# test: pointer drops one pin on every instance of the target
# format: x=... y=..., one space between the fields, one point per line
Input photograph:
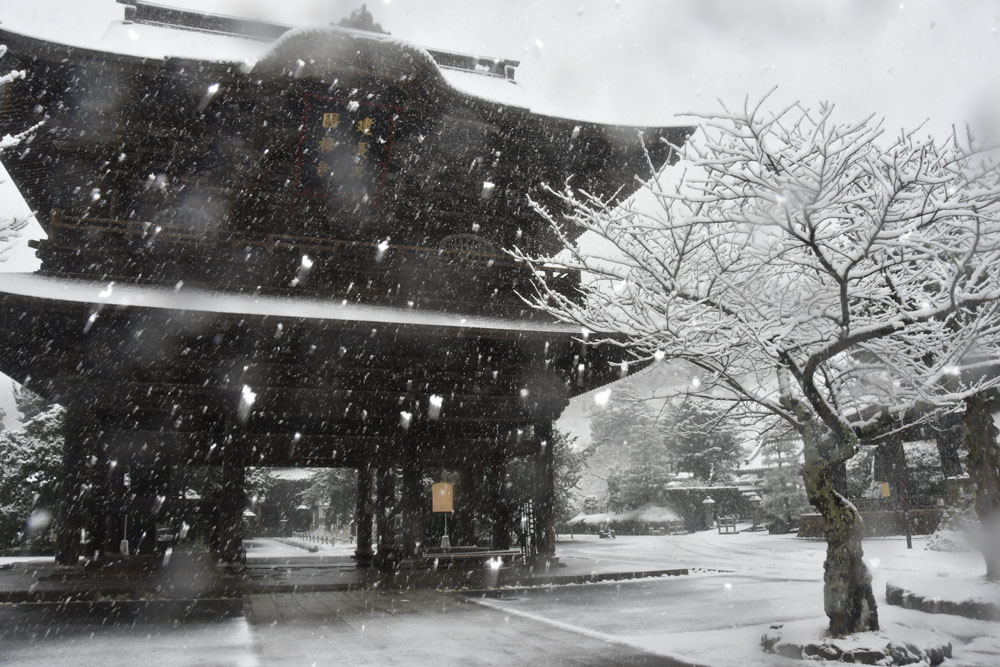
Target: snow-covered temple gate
x=294 y=262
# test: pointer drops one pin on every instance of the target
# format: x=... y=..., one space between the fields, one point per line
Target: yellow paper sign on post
x=442 y=497
x=885 y=489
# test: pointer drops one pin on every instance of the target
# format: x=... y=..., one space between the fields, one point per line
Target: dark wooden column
x=98 y=501
x=385 y=507
x=114 y=520
x=232 y=501
x=79 y=438
x=364 y=514
x=499 y=501
x=547 y=398
x=545 y=531
x=412 y=503
x=464 y=526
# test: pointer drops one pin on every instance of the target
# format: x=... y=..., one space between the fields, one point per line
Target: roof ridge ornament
x=362 y=19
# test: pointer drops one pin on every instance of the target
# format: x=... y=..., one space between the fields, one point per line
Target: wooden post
x=364 y=513
x=232 y=500
x=385 y=505
x=79 y=436
x=464 y=529
x=114 y=520
x=545 y=530
x=413 y=504
x=499 y=501
x=99 y=502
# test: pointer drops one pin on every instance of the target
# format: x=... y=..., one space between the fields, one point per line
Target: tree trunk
x=848 y=598
x=983 y=464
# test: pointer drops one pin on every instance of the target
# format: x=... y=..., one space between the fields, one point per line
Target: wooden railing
x=445 y=278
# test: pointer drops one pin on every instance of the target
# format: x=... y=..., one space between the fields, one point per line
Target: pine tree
x=784 y=494
x=628 y=443
x=28 y=403
x=702 y=443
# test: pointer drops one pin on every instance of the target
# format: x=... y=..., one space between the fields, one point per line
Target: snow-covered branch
x=789 y=242
x=10 y=228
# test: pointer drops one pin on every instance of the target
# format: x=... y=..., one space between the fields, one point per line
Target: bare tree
x=10 y=227
x=811 y=270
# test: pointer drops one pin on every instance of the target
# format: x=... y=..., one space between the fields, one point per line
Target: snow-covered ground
x=716 y=616
x=718 y=619
x=294 y=548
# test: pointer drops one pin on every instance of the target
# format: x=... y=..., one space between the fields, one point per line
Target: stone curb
x=980 y=611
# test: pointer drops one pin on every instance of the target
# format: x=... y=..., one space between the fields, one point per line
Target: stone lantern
x=709 y=506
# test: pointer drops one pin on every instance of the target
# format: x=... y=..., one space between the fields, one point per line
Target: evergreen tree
x=336 y=488
x=28 y=403
x=784 y=494
x=30 y=467
x=629 y=446
x=569 y=462
x=702 y=443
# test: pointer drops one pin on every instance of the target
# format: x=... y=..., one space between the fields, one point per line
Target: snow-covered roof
x=158 y=42
x=648 y=513
x=292 y=474
x=492 y=88
x=205 y=301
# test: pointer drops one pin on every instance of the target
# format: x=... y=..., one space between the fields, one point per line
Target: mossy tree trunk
x=983 y=463
x=848 y=598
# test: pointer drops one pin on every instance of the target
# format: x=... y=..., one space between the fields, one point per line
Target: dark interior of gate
x=341 y=172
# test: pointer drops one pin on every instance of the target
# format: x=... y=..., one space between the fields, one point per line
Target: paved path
x=418 y=628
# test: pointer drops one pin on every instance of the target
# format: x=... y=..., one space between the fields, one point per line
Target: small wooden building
x=294 y=260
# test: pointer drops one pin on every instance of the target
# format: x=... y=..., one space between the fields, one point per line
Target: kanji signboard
x=344 y=148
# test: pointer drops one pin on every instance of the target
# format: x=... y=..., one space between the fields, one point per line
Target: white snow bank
x=66 y=290
x=649 y=513
x=947 y=586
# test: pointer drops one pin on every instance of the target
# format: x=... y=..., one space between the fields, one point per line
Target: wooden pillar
x=385 y=506
x=546 y=399
x=545 y=531
x=98 y=503
x=412 y=504
x=114 y=520
x=499 y=502
x=364 y=514
x=232 y=500
x=79 y=437
x=464 y=527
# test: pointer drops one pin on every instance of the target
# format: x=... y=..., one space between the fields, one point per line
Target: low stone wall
x=978 y=609
x=880 y=524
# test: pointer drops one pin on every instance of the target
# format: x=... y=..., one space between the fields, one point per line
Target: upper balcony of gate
x=335 y=160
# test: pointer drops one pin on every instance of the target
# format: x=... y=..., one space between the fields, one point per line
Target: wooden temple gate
x=296 y=264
